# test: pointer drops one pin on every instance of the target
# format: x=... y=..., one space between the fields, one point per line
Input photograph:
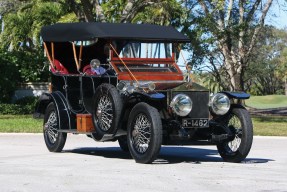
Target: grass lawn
x=265 y=126
x=268 y=101
x=270 y=126
x=20 y=124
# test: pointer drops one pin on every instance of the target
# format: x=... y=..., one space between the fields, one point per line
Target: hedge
x=23 y=106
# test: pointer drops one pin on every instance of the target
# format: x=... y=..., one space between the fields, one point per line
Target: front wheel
x=107 y=110
x=144 y=133
x=54 y=139
x=239 y=122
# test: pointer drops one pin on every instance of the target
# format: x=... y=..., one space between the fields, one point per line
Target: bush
x=18 y=67
x=22 y=106
x=29 y=103
x=9 y=78
x=30 y=100
x=12 y=109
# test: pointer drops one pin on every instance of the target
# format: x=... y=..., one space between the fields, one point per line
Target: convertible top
x=63 y=32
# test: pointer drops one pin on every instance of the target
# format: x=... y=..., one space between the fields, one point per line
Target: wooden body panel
x=152 y=76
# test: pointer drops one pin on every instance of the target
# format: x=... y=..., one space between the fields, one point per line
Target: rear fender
x=66 y=118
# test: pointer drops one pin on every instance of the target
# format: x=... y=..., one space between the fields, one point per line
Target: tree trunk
x=87 y=10
x=237 y=83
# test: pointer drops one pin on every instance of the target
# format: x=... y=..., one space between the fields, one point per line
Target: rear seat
x=87 y=70
x=59 y=68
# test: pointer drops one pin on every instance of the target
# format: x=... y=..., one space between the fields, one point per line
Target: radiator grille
x=200 y=100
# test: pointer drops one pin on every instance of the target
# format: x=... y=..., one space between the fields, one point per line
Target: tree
x=7 y=87
x=22 y=24
x=126 y=11
x=230 y=30
x=20 y=44
x=8 y=6
x=268 y=63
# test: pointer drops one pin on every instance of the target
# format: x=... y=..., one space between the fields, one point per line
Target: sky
x=277 y=15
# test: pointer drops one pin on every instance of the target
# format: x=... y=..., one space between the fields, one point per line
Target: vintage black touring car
x=121 y=82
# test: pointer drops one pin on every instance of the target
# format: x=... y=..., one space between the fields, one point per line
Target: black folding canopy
x=63 y=32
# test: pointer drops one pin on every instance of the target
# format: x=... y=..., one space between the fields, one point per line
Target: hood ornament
x=189 y=76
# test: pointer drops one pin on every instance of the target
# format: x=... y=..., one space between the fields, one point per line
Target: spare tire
x=107 y=110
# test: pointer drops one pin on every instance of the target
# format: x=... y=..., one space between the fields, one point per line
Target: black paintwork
x=64 y=32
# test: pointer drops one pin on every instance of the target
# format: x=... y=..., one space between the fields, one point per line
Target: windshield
x=86 y=43
x=146 y=50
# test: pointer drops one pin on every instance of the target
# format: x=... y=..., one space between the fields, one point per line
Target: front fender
x=236 y=95
x=154 y=99
x=147 y=96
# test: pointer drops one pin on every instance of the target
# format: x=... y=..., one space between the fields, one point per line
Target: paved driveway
x=85 y=165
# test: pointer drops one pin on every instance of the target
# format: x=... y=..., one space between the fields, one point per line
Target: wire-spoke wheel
x=107 y=110
x=144 y=133
x=141 y=134
x=51 y=128
x=235 y=125
x=239 y=122
x=105 y=113
x=54 y=140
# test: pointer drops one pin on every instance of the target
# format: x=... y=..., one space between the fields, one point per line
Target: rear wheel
x=239 y=122
x=55 y=140
x=144 y=133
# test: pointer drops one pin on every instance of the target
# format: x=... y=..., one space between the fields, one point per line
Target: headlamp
x=219 y=104
x=181 y=104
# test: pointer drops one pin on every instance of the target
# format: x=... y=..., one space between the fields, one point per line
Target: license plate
x=195 y=123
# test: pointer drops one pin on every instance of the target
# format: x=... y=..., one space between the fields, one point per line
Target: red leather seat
x=59 y=68
x=87 y=70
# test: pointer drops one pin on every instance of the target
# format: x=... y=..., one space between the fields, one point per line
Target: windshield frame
x=116 y=61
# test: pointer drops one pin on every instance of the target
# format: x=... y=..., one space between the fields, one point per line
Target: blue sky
x=277 y=15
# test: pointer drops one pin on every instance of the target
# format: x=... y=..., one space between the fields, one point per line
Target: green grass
x=265 y=126
x=270 y=126
x=20 y=124
x=266 y=102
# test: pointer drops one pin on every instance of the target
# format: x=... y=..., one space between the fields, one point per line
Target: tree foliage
x=268 y=65
x=21 y=56
x=22 y=25
x=17 y=67
x=8 y=78
x=162 y=12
